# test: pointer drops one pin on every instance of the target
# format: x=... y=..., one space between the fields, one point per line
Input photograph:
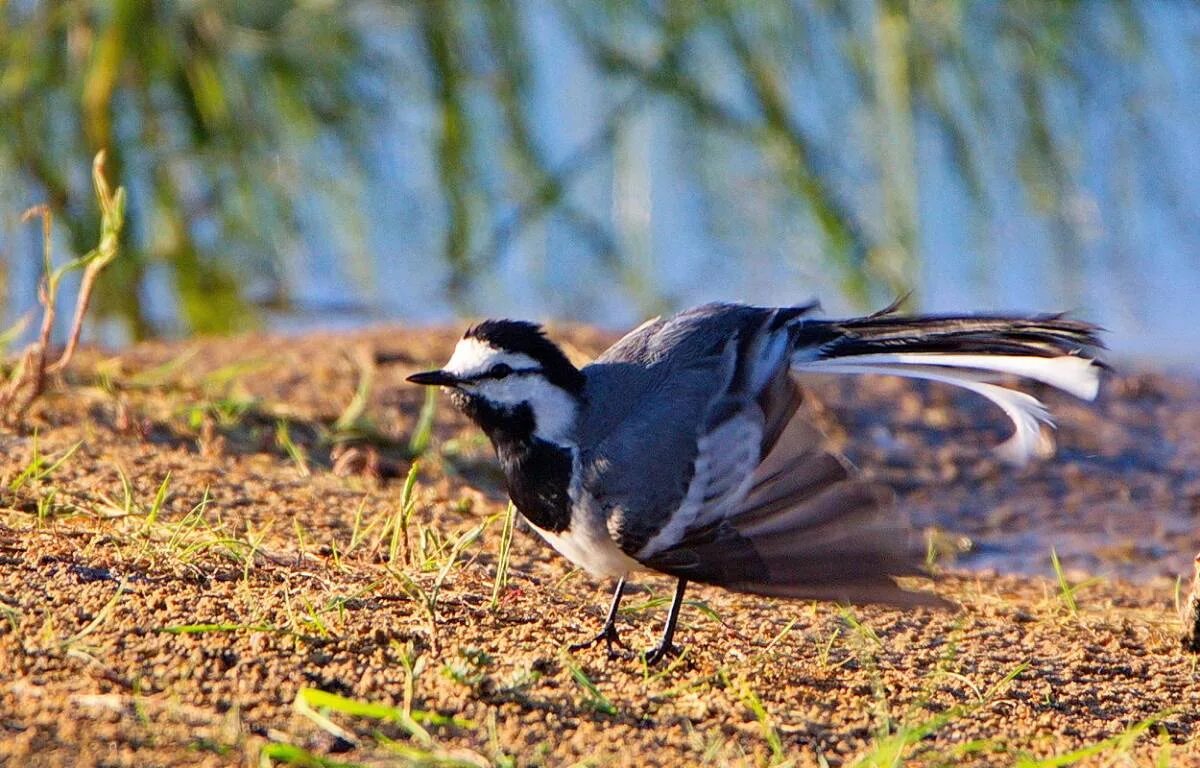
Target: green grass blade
x=1068 y=592
x=313 y=703
x=506 y=535
x=100 y=617
x=352 y=415
x=160 y=498
x=1120 y=743
x=283 y=438
x=423 y=432
x=43 y=474
x=200 y=629
x=769 y=733
x=399 y=541
x=415 y=756
x=593 y=697
x=290 y=754
x=10 y=335
x=464 y=541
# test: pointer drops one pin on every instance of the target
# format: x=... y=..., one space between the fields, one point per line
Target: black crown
x=530 y=339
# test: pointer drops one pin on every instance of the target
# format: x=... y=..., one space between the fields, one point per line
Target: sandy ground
x=200 y=566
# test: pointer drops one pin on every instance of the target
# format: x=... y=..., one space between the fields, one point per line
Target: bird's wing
x=660 y=357
x=673 y=435
x=807 y=528
x=633 y=346
x=643 y=468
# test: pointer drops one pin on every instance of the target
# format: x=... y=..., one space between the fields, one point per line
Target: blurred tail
x=966 y=351
x=807 y=529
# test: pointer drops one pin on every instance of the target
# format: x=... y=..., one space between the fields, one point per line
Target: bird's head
x=508 y=377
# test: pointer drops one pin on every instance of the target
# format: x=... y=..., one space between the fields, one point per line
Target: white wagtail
x=679 y=449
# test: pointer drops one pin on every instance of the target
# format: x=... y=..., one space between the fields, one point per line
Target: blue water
x=698 y=215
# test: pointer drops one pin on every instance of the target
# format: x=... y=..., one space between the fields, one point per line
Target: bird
x=682 y=450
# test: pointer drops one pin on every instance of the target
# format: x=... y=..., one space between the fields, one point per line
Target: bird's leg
x=665 y=647
x=608 y=633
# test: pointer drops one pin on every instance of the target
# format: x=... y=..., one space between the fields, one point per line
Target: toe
x=660 y=652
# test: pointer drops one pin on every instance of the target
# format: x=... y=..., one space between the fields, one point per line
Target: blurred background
x=294 y=165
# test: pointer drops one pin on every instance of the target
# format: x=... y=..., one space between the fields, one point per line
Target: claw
x=660 y=652
x=610 y=637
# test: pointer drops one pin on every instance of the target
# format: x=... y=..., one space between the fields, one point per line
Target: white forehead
x=473 y=356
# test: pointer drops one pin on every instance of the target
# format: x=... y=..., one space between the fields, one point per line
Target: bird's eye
x=500 y=370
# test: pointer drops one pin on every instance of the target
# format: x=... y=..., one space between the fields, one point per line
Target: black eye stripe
x=500 y=374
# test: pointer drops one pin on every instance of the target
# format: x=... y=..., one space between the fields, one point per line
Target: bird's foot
x=662 y=651
x=610 y=637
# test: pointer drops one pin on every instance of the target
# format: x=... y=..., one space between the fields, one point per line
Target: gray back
x=648 y=398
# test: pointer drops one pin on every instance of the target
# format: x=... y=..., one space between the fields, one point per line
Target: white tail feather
x=1076 y=375
x=1080 y=376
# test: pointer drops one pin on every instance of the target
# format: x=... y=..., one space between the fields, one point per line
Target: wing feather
x=807 y=528
x=651 y=479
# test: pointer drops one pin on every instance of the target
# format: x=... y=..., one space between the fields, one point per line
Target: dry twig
x=27 y=380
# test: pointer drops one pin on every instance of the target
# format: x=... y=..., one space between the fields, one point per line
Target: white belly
x=591 y=548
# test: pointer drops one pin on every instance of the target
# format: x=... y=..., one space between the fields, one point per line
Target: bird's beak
x=434 y=379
